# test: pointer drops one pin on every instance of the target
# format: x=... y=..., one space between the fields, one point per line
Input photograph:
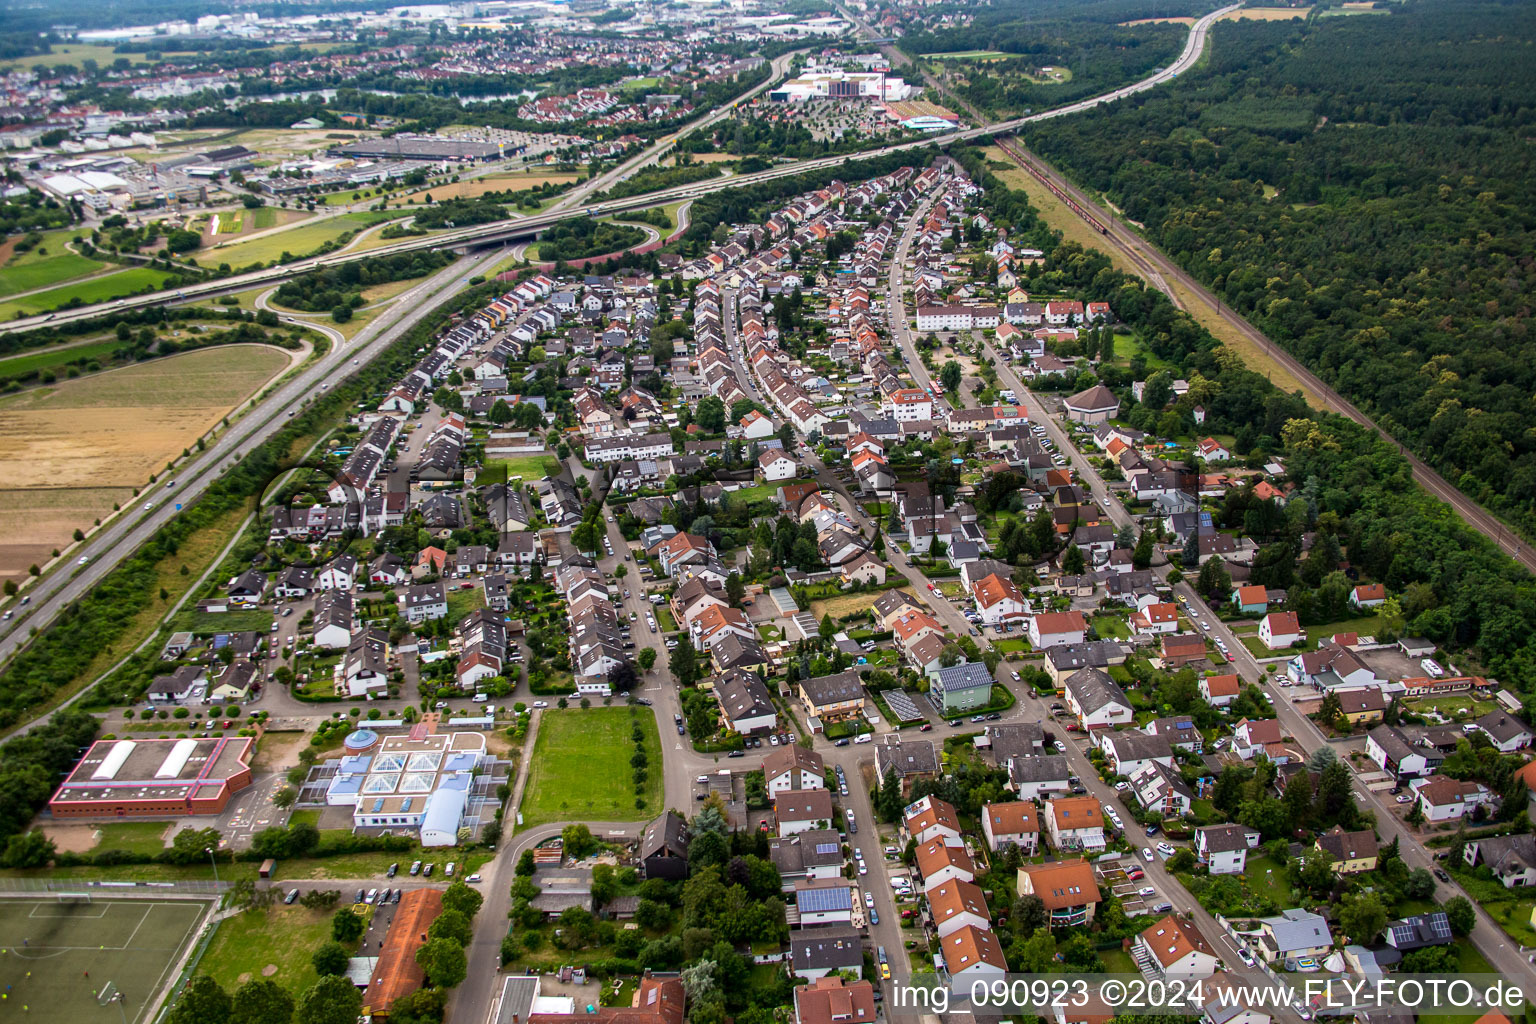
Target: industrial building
x=421 y=782
x=423 y=147
x=836 y=84
x=155 y=778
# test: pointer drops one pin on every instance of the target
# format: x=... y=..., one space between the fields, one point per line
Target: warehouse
x=155 y=778
x=421 y=147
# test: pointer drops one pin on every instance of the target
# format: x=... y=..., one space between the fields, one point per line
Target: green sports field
x=581 y=769
x=57 y=957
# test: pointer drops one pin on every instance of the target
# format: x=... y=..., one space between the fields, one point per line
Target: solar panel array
x=827 y=848
x=902 y=705
x=813 y=901
x=1426 y=928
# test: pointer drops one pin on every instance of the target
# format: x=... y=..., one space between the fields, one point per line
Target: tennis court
x=57 y=955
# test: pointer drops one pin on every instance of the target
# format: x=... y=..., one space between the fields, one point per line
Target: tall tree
x=262 y=1001
x=201 y=1002
x=333 y=1000
x=444 y=961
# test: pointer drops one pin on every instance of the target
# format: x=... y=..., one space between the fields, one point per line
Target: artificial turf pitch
x=56 y=957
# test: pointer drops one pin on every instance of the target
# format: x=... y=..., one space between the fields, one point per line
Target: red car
x=927 y=727
x=1135 y=874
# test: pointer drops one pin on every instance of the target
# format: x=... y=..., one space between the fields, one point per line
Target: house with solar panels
x=1419 y=931
x=422 y=782
x=827 y=901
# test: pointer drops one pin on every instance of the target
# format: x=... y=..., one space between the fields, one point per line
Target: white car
x=869 y=900
x=1166 y=849
x=1147 y=890
x=1146 y=854
x=1121 y=787
x=863 y=868
x=541 y=703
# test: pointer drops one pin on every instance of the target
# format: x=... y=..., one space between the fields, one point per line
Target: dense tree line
x=33 y=212
x=320 y=291
x=583 y=237
x=1086 y=39
x=1355 y=492
x=1373 y=216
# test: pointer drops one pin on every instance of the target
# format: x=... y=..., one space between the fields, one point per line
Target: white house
x=1443 y=798
x=944 y=859
x=1162 y=617
x=1096 y=699
x=793 y=767
x=955 y=905
x=1279 y=630
x=775 y=466
x=1220 y=691
x=1176 y=949
x=1015 y=823
x=1130 y=750
x=1224 y=848
x=972 y=954
x=999 y=599
x=931 y=818
x=1050 y=629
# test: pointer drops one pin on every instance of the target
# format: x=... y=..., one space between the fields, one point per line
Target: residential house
x=1279 y=630
x=960 y=689
x=1176 y=949
x=793 y=767
x=910 y=760
x=1034 y=778
x=1223 y=849
x=1368 y=595
x=746 y=703
x=1014 y=823
x=1294 y=933
x=1220 y=691
x=1251 y=738
x=972 y=955
x=1075 y=823
x=427 y=601
x=1352 y=852
x=1420 y=931
x=1506 y=732
x=1096 y=699
x=944 y=859
x=663 y=848
x=1049 y=629
x=800 y=810
x=1391 y=750
x=1159 y=787
x=1069 y=890
x=1512 y=858
x=832 y=698
x=818 y=952
x=931 y=818
x=833 y=1000
x=814 y=854
x=824 y=901
x=958 y=904
x=1445 y=799
x=1129 y=750
x=1098 y=404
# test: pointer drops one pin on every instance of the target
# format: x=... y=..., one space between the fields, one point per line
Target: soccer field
x=57 y=957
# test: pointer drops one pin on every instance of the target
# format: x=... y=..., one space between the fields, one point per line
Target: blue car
x=874 y=916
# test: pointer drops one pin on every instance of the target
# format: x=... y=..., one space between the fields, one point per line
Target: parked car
x=293 y=894
x=1147 y=890
x=1166 y=849
x=416 y=868
x=1146 y=854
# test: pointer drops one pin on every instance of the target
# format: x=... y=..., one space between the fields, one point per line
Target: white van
x=481 y=698
x=865 y=737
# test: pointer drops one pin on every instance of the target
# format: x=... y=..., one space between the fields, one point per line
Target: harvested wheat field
x=1267 y=13
x=73 y=449
x=493 y=183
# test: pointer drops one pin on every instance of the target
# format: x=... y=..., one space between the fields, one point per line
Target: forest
x=583 y=237
x=1362 y=190
x=1356 y=489
x=320 y=291
x=1085 y=38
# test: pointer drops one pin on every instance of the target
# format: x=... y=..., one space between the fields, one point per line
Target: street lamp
x=209 y=851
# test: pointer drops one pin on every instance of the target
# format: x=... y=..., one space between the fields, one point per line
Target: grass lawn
x=1111 y=626
x=375 y=865
x=301 y=240
x=1267 y=878
x=1014 y=645
x=581 y=769
x=96 y=289
x=664 y=620
x=284 y=937
x=1457 y=706
x=762 y=492
x=147 y=837
x=462 y=602
x=24 y=275
x=1117 y=961
x=529 y=467
x=48 y=358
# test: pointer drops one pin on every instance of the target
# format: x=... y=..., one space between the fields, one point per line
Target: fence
x=114 y=888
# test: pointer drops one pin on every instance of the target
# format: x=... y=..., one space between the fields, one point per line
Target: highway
x=115 y=541
x=570 y=205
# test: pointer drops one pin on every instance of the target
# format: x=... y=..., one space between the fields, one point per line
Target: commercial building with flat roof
x=155 y=778
x=407 y=147
x=422 y=781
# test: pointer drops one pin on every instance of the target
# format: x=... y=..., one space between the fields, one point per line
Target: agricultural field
x=71 y=53
x=57 y=355
x=581 y=769
x=75 y=448
x=49 y=263
x=968 y=55
x=232 y=224
x=518 y=182
x=93 y=289
x=300 y=240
